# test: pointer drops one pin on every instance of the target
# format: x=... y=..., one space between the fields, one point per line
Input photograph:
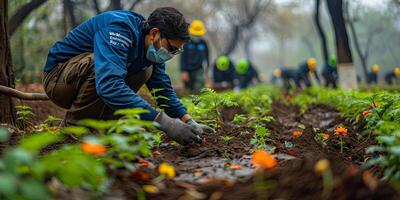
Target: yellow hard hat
x=397 y=71
x=197 y=28
x=278 y=73
x=312 y=64
x=375 y=68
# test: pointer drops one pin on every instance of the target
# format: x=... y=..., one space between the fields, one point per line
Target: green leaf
x=386 y=139
x=98 y=124
x=34 y=189
x=14 y=158
x=38 y=141
x=4 y=134
x=8 y=185
x=75 y=130
x=131 y=111
x=395 y=150
x=288 y=144
x=374 y=149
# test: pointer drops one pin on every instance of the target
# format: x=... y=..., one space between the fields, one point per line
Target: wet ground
x=218 y=169
x=205 y=171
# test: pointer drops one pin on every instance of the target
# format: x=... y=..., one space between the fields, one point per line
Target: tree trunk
x=321 y=32
x=115 y=5
x=356 y=43
x=18 y=17
x=69 y=7
x=96 y=6
x=7 y=111
x=346 y=69
x=134 y=4
x=233 y=41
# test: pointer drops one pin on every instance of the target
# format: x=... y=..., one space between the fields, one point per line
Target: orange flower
x=366 y=113
x=156 y=153
x=325 y=136
x=377 y=105
x=236 y=167
x=341 y=131
x=140 y=176
x=264 y=159
x=93 y=148
x=144 y=163
x=297 y=134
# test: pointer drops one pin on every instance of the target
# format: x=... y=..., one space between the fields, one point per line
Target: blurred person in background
x=287 y=75
x=372 y=77
x=329 y=72
x=245 y=74
x=223 y=73
x=305 y=71
x=195 y=59
x=393 y=76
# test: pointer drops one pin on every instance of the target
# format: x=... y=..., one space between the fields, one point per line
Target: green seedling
x=226 y=138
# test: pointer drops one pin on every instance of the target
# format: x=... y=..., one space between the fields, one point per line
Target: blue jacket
x=117 y=40
x=224 y=76
x=245 y=79
x=193 y=56
x=372 y=78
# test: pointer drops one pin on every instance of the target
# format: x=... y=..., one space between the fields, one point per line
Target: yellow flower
x=150 y=189
x=321 y=166
x=167 y=170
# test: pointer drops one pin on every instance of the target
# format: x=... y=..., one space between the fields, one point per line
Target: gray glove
x=200 y=128
x=177 y=130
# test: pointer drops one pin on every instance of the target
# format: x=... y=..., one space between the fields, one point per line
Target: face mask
x=158 y=56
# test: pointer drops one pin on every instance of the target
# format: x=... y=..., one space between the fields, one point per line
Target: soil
x=204 y=170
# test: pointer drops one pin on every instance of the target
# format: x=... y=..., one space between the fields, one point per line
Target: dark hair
x=170 y=22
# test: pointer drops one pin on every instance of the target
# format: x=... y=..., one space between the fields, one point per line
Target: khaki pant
x=71 y=85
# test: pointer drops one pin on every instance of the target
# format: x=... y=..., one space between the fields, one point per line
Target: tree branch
x=22 y=95
x=134 y=4
x=18 y=17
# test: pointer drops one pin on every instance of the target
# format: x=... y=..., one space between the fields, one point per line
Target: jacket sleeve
x=166 y=96
x=111 y=47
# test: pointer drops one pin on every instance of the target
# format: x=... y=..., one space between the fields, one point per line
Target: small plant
x=341 y=132
x=322 y=138
x=239 y=118
x=25 y=116
x=260 y=137
x=210 y=103
x=159 y=98
x=226 y=138
x=388 y=156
